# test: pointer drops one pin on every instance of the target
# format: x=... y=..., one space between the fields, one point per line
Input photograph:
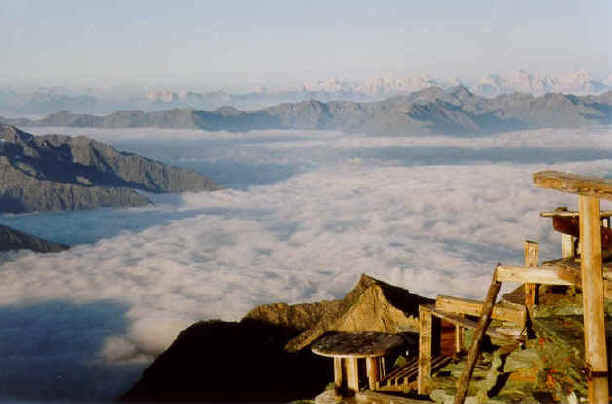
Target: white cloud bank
x=433 y=229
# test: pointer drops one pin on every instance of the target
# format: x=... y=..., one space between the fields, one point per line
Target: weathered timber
x=471 y=324
x=474 y=352
x=531 y=260
x=356 y=344
x=425 y=334
x=593 y=299
x=503 y=311
x=574 y=184
x=338 y=373
x=352 y=374
x=370 y=397
x=459 y=336
x=372 y=372
x=568 y=246
x=569 y=226
x=544 y=275
x=571 y=213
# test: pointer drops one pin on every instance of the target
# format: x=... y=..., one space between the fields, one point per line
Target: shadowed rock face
x=231 y=362
x=46 y=173
x=11 y=239
x=455 y=111
x=266 y=356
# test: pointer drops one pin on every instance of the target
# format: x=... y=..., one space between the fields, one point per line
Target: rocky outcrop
x=455 y=111
x=11 y=239
x=265 y=357
x=371 y=306
x=53 y=172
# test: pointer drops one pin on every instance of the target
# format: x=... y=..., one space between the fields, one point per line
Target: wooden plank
x=372 y=372
x=568 y=246
x=352 y=374
x=571 y=213
x=575 y=184
x=474 y=352
x=338 y=379
x=467 y=323
x=545 y=275
x=593 y=300
x=503 y=311
x=531 y=260
x=425 y=333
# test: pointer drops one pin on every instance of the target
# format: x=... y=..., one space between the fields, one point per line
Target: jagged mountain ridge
x=54 y=172
x=455 y=111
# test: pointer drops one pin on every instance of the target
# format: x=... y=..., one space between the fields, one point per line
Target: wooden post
x=459 y=336
x=338 y=379
x=531 y=260
x=425 y=330
x=372 y=371
x=352 y=374
x=479 y=333
x=568 y=248
x=592 y=292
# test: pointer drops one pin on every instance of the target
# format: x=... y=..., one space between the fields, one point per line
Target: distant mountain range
x=53 y=172
x=454 y=111
x=54 y=99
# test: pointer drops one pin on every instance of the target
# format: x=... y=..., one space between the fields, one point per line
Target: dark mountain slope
x=11 y=239
x=53 y=172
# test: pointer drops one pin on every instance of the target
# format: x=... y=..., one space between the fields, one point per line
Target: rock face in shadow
x=52 y=172
x=11 y=239
x=219 y=361
x=454 y=111
x=266 y=356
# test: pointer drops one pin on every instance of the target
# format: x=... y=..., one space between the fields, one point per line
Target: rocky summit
x=53 y=172
x=266 y=356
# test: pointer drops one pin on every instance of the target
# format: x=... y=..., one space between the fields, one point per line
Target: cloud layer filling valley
x=307 y=236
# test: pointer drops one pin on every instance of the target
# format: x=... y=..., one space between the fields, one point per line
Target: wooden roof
x=356 y=344
x=574 y=184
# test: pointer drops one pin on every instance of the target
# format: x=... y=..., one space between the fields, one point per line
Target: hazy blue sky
x=221 y=43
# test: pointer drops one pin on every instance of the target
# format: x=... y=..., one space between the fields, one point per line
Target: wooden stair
x=403 y=379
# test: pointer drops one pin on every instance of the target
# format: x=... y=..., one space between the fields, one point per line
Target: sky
x=241 y=44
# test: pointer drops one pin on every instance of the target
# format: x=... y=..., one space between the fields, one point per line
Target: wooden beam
x=372 y=372
x=593 y=300
x=425 y=333
x=531 y=260
x=458 y=320
x=459 y=336
x=568 y=246
x=338 y=379
x=503 y=311
x=570 y=213
x=543 y=275
x=574 y=184
x=474 y=352
x=352 y=374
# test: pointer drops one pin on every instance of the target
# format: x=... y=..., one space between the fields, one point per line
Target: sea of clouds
x=302 y=216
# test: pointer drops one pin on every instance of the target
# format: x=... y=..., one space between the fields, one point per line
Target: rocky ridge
x=53 y=172
x=12 y=240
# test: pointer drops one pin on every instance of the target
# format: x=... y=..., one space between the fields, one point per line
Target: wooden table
x=347 y=347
